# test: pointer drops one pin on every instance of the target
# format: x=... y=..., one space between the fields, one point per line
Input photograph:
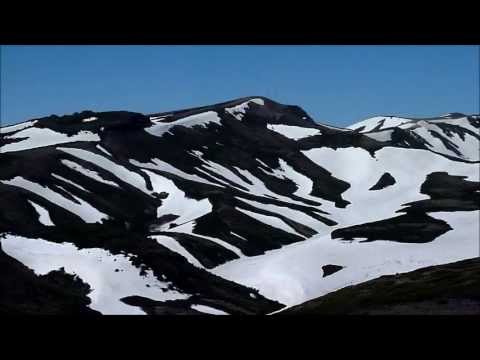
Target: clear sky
x=339 y=85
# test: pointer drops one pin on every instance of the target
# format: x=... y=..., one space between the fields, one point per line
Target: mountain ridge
x=190 y=202
x=235 y=101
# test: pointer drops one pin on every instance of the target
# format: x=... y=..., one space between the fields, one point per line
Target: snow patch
x=187 y=228
x=157 y=164
x=99 y=147
x=238 y=111
x=295 y=215
x=130 y=177
x=240 y=237
x=90 y=119
x=202 y=119
x=111 y=277
x=271 y=221
x=90 y=173
x=175 y=246
x=292 y=274
x=34 y=137
x=177 y=202
x=69 y=182
x=18 y=127
x=83 y=209
x=294 y=132
x=208 y=310
x=382 y=136
x=43 y=214
x=371 y=123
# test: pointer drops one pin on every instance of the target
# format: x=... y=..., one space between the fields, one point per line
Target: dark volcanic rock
x=248 y=173
x=385 y=180
x=408 y=228
x=447 y=193
x=330 y=269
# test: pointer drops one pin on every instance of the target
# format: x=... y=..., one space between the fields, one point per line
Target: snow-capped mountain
x=242 y=207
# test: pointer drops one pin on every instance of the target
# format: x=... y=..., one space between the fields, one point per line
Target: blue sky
x=335 y=84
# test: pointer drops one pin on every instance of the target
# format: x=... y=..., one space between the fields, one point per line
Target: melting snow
x=292 y=274
x=187 y=228
x=122 y=173
x=43 y=214
x=262 y=163
x=12 y=128
x=358 y=168
x=259 y=188
x=89 y=119
x=202 y=119
x=222 y=171
x=371 y=123
x=99 y=147
x=94 y=266
x=271 y=221
x=177 y=202
x=294 y=132
x=84 y=210
x=469 y=147
x=382 y=136
x=295 y=215
x=69 y=182
x=90 y=173
x=157 y=164
x=241 y=237
x=36 y=137
x=304 y=183
x=208 y=310
x=238 y=111
x=175 y=246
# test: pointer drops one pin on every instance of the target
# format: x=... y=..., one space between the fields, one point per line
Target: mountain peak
x=258 y=107
x=163 y=214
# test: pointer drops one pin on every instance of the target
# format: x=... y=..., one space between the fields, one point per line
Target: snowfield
x=372 y=123
x=293 y=274
x=111 y=277
x=362 y=171
x=294 y=132
x=177 y=203
x=270 y=221
x=18 y=127
x=263 y=239
x=32 y=137
x=81 y=208
x=462 y=144
x=238 y=111
x=203 y=119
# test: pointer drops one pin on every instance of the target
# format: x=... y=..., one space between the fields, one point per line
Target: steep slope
x=453 y=135
x=372 y=237
x=451 y=289
x=56 y=293
x=186 y=211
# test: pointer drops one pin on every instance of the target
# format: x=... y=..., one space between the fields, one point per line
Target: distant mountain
x=242 y=207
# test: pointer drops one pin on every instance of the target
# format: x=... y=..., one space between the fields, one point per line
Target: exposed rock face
x=162 y=207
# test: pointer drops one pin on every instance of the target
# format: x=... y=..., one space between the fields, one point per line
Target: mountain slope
x=453 y=135
x=451 y=289
x=223 y=206
x=56 y=293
